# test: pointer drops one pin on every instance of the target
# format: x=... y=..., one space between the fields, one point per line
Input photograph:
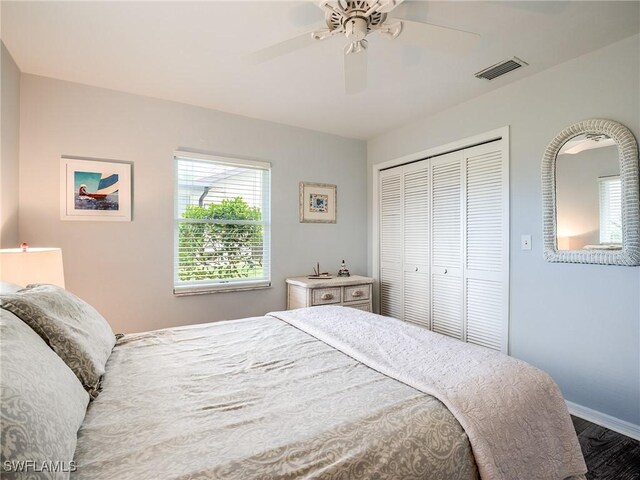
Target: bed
x=324 y=392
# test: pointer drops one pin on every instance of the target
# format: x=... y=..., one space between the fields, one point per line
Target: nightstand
x=353 y=291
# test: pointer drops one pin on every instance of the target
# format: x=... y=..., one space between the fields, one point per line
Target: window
x=222 y=230
x=610 y=210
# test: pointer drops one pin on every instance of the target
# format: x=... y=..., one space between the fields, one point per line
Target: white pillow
x=42 y=405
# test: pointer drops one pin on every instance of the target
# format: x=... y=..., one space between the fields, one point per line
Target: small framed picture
x=318 y=203
x=95 y=190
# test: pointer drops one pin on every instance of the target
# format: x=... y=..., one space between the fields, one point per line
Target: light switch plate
x=525 y=242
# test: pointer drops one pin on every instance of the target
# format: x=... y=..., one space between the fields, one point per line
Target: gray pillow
x=71 y=327
x=42 y=405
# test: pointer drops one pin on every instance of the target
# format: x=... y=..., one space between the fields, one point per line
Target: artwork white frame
x=74 y=208
x=325 y=196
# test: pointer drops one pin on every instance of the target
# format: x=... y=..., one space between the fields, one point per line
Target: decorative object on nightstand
x=344 y=271
x=318 y=274
x=26 y=265
x=353 y=291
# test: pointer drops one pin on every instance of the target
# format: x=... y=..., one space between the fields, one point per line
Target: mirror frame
x=629 y=254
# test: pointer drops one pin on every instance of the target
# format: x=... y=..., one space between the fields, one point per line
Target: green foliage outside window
x=211 y=251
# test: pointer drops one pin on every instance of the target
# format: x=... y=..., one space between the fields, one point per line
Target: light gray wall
x=126 y=269
x=9 y=140
x=580 y=323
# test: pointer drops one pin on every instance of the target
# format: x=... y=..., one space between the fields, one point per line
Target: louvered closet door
x=391 y=281
x=487 y=246
x=447 y=245
x=416 y=243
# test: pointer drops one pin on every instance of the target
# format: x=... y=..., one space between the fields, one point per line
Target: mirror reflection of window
x=610 y=211
x=586 y=168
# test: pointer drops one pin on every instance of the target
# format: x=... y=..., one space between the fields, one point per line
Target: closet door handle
x=445 y=271
x=416 y=269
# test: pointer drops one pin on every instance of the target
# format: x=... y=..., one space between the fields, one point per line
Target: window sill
x=188 y=290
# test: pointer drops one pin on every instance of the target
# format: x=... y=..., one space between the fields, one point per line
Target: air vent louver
x=501 y=68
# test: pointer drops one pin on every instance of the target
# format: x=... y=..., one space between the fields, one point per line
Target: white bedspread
x=513 y=413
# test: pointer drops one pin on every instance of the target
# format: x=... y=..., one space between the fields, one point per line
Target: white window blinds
x=610 y=210
x=222 y=225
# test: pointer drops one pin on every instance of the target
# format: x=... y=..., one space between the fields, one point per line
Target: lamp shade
x=34 y=265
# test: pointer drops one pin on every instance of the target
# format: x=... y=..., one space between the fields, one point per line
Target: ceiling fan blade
x=434 y=37
x=291 y=45
x=548 y=8
x=355 y=72
x=304 y=13
x=387 y=5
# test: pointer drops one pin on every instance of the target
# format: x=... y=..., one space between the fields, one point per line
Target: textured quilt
x=260 y=399
x=513 y=413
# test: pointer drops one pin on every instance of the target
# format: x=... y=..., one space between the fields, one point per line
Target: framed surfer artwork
x=95 y=190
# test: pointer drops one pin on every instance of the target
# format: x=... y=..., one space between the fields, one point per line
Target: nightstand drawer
x=325 y=296
x=360 y=306
x=357 y=293
x=354 y=291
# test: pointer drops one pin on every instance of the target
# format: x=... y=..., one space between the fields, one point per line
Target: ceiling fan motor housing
x=356 y=29
x=352 y=17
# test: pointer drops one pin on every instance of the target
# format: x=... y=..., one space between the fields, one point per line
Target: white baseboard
x=612 y=423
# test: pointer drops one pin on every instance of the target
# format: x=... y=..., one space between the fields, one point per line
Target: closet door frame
x=501 y=133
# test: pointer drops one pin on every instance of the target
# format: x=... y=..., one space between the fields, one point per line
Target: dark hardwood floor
x=609 y=455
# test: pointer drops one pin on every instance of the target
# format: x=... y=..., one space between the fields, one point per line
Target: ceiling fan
x=356 y=19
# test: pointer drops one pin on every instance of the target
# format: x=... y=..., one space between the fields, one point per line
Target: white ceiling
x=192 y=52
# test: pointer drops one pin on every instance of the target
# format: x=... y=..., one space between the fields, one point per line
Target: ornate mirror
x=590 y=195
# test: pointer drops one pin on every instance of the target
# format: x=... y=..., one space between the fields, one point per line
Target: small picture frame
x=95 y=190
x=318 y=203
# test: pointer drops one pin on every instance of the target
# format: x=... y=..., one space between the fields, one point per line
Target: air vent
x=501 y=68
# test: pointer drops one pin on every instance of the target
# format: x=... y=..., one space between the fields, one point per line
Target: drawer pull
x=357 y=293
x=326 y=296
